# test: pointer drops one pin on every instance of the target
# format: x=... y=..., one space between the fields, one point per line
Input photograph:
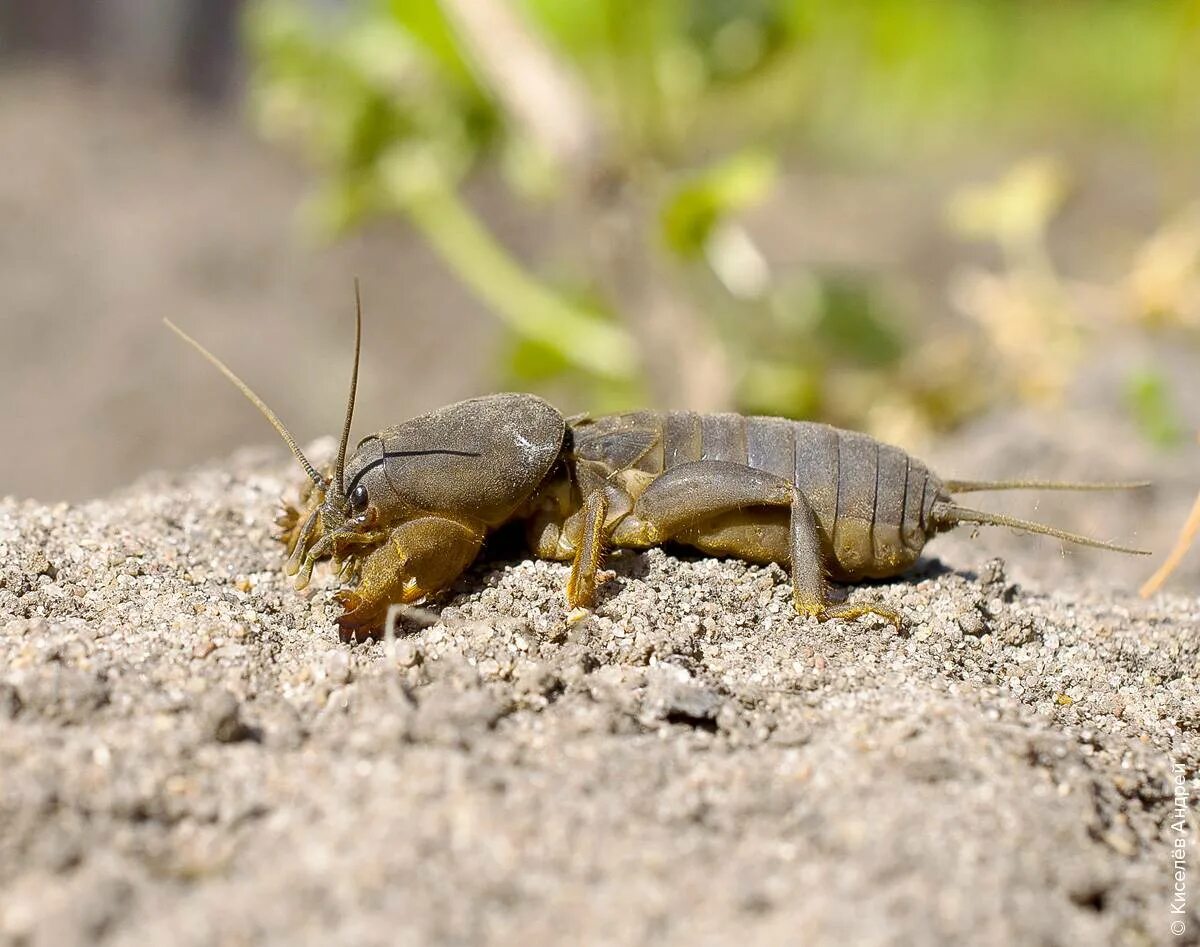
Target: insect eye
x=358 y=498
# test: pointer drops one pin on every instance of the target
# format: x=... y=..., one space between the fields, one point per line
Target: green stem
x=526 y=305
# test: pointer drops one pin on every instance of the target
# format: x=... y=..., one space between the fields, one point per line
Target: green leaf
x=781 y=390
x=700 y=203
x=337 y=207
x=854 y=324
x=532 y=361
x=424 y=21
x=1148 y=399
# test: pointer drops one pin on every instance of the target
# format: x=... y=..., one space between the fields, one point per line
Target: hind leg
x=810 y=590
x=667 y=509
x=713 y=505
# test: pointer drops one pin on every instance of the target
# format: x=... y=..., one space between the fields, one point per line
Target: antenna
x=340 y=469
x=255 y=400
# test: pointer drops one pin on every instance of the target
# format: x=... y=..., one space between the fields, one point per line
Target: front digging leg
x=583 y=539
x=589 y=552
x=416 y=559
x=297 y=521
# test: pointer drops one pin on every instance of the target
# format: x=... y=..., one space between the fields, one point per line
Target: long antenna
x=255 y=400
x=950 y=514
x=970 y=486
x=341 y=457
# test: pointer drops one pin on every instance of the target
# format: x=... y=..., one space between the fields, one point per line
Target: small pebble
x=10 y=702
x=220 y=717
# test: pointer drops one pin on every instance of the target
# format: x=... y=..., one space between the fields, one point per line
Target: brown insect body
x=410 y=509
x=873 y=503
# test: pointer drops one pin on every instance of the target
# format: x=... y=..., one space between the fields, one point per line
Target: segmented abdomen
x=871 y=500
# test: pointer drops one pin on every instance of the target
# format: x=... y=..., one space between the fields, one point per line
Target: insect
x=408 y=511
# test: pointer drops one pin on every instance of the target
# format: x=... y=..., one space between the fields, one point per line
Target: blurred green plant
x=1039 y=324
x=390 y=111
x=1148 y=396
x=1033 y=329
x=646 y=131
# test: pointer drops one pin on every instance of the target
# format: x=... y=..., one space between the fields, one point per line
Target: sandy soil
x=188 y=754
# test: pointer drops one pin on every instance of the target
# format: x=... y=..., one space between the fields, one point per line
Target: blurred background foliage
x=647 y=131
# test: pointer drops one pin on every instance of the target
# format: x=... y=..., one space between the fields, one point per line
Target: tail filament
x=951 y=514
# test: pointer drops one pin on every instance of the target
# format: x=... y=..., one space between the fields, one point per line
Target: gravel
x=190 y=755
